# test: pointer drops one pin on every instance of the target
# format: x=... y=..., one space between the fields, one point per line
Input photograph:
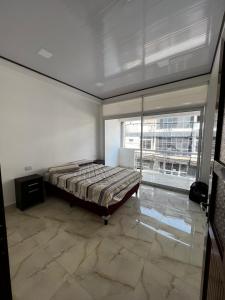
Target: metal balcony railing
x=167 y=162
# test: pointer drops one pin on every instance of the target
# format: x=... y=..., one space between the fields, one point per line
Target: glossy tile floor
x=152 y=248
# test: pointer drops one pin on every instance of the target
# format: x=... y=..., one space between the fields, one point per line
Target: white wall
x=42 y=123
x=112 y=142
x=213 y=94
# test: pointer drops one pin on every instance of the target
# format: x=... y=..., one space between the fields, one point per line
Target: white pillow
x=64 y=168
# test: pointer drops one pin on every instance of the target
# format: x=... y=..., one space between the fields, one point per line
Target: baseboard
x=6 y=205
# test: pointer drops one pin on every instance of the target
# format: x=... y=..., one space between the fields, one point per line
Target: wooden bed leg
x=71 y=204
x=106 y=219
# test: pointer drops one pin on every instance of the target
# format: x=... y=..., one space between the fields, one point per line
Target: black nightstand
x=29 y=191
x=99 y=161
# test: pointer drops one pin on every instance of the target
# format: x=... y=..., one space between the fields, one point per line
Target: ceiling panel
x=109 y=47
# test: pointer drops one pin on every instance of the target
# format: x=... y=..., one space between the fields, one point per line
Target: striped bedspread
x=97 y=183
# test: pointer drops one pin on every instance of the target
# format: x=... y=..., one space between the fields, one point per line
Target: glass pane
x=122 y=142
x=170 y=149
x=222 y=148
x=213 y=151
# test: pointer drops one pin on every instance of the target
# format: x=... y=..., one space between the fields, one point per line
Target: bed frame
x=102 y=211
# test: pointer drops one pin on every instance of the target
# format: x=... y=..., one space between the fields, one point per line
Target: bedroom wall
x=42 y=123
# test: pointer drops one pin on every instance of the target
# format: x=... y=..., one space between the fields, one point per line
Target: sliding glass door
x=170 y=149
x=164 y=147
x=122 y=142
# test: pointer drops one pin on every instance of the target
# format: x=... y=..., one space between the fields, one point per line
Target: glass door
x=164 y=147
x=170 y=149
x=122 y=142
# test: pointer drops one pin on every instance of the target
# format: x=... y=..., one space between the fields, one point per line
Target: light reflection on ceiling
x=110 y=47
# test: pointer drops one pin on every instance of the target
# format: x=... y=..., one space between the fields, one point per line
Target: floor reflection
x=163 y=233
x=157 y=238
x=174 y=222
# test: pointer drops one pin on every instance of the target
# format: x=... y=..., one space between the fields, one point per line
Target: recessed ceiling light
x=99 y=84
x=44 y=53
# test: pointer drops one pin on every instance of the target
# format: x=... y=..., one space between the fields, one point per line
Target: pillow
x=72 y=167
x=83 y=162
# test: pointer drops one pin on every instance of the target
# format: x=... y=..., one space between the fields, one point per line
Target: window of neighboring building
x=183 y=168
x=176 y=167
x=147 y=144
x=173 y=144
x=167 y=123
x=168 y=166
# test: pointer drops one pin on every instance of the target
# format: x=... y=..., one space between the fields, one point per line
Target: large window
x=163 y=147
x=173 y=157
x=170 y=145
x=131 y=132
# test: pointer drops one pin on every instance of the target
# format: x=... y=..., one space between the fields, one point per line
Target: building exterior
x=170 y=143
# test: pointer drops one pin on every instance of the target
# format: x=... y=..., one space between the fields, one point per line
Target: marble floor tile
x=70 y=289
x=122 y=265
x=152 y=248
x=75 y=256
x=40 y=285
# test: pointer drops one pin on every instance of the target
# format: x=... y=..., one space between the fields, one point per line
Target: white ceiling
x=109 y=47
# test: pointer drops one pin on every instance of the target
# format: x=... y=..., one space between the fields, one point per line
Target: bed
x=97 y=187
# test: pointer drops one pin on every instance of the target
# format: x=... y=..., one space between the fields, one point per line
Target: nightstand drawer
x=33 y=186
x=29 y=191
x=32 y=191
x=33 y=196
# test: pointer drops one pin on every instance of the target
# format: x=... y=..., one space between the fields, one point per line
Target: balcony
x=167 y=168
x=175 y=181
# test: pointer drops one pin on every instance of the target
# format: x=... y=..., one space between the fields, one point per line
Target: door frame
x=5 y=280
x=212 y=238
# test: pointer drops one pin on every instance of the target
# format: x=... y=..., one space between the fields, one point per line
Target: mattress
x=96 y=183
